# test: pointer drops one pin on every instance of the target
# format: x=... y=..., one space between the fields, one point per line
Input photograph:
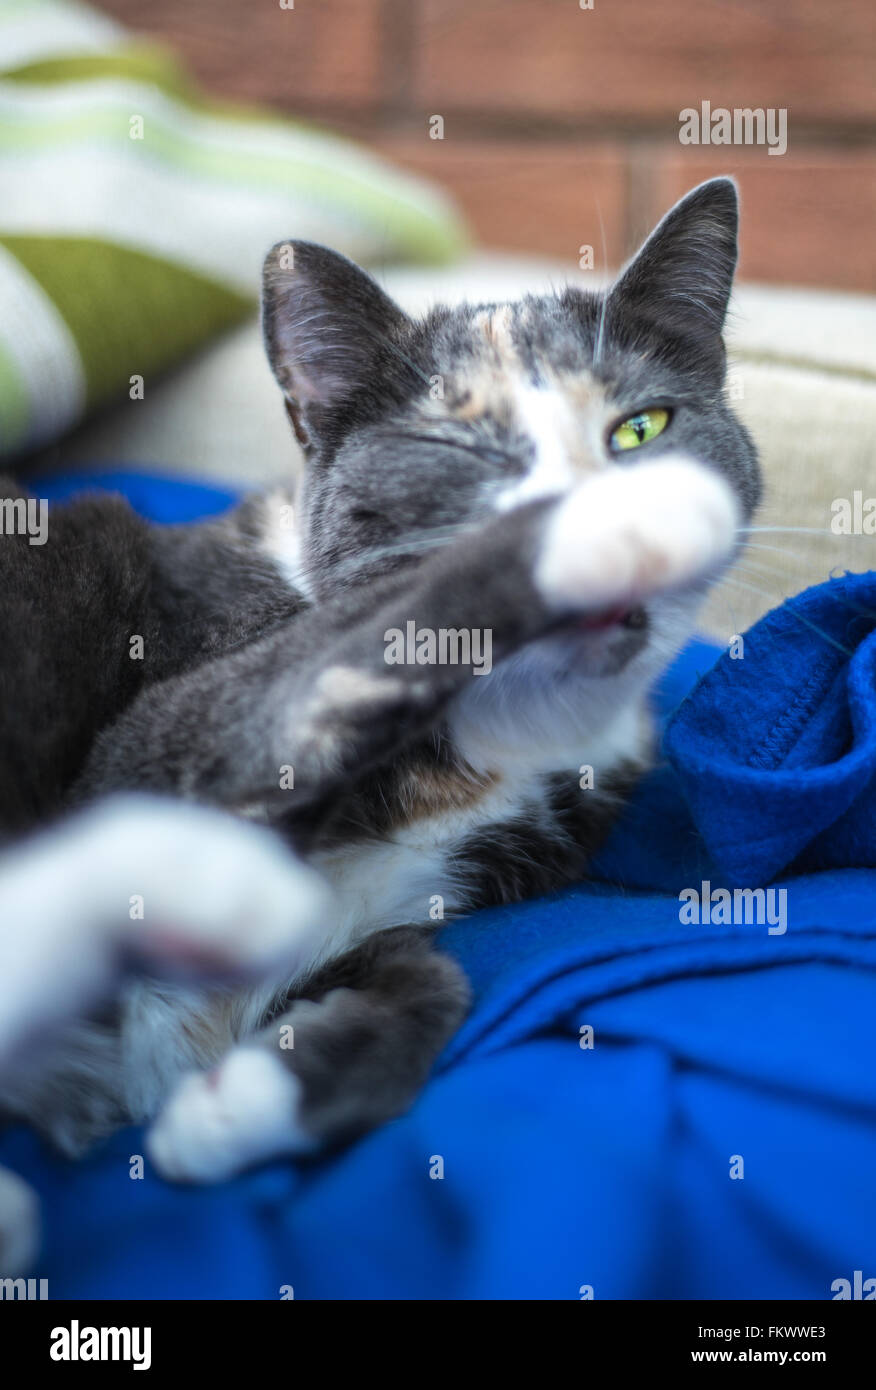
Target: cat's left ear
x=680 y=280
x=328 y=330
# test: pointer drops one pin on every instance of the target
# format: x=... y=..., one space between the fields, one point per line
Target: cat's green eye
x=639 y=429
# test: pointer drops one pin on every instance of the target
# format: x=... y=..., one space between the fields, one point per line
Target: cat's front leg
x=324 y=700
x=327 y=1070
x=136 y=884
x=139 y=882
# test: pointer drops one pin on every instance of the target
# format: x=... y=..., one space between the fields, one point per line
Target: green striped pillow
x=134 y=214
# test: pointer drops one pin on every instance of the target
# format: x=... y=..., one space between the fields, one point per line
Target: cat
x=562 y=475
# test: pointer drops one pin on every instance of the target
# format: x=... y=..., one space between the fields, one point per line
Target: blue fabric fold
x=776 y=752
x=638 y=1105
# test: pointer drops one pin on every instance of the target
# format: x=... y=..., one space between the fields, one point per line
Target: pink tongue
x=607 y=618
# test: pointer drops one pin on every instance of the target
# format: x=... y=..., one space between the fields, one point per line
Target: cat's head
x=414 y=428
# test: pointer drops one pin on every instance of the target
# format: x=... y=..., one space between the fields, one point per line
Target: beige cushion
x=803 y=375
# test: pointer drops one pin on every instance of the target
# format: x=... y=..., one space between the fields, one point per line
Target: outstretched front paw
x=629 y=533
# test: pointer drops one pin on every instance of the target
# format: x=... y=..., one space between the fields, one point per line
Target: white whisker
x=825 y=636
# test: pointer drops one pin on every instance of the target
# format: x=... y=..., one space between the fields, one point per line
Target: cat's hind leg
x=326 y=1070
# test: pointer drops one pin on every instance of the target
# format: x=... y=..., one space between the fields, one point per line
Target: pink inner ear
x=294 y=413
x=311 y=368
x=329 y=387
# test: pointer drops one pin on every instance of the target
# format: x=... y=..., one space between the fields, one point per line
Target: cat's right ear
x=328 y=330
x=679 y=282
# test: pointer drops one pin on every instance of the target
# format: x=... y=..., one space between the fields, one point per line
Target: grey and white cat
x=572 y=489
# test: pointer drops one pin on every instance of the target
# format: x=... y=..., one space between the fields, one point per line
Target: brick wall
x=561 y=124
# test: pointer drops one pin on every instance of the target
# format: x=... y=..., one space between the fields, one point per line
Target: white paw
x=217 y=892
x=19 y=1225
x=186 y=888
x=629 y=533
x=217 y=1123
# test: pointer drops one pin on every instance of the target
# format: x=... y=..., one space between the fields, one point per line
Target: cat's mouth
x=600 y=643
x=633 y=619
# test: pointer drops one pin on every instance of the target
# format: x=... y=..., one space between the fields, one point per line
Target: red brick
x=626 y=60
x=539 y=197
x=323 y=56
x=807 y=216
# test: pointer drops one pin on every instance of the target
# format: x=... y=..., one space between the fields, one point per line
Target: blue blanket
x=656 y=1096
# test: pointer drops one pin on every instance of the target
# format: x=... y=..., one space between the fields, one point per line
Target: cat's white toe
x=217 y=1123
x=19 y=1225
x=628 y=533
